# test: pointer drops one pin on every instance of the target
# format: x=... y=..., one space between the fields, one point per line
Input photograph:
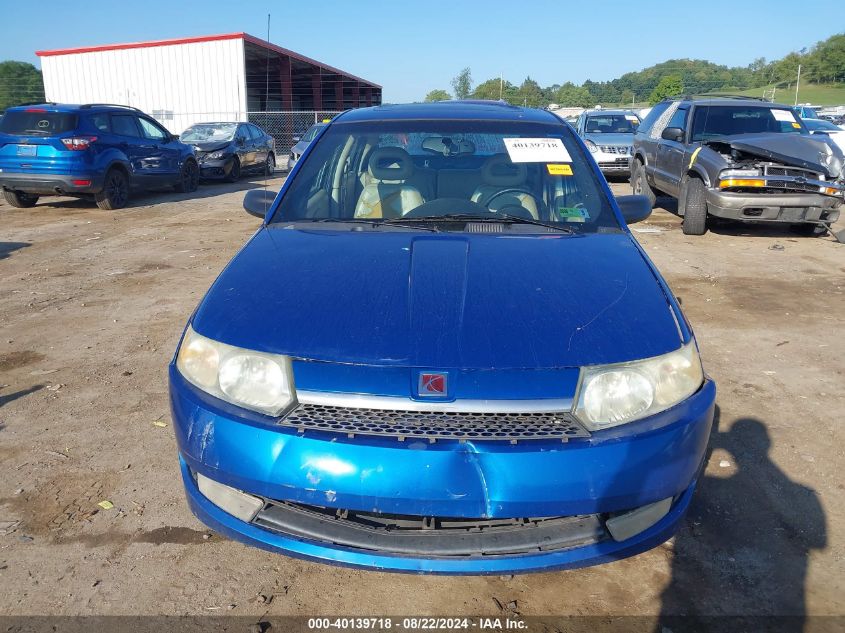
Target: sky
x=411 y=47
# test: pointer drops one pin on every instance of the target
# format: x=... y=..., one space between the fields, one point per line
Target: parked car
x=98 y=150
x=826 y=128
x=805 y=112
x=302 y=142
x=739 y=159
x=228 y=149
x=458 y=360
x=609 y=135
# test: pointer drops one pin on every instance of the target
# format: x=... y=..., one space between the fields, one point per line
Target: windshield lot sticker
x=559 y=170
x=797 y=126
x=783 y=115
x=572 y=214
x=536 y=150
x=632 y=118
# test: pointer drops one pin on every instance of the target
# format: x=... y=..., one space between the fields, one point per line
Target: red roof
x=203 y=38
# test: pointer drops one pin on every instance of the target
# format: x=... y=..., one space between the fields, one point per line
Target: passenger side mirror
x=296 y=139
x=634 y=208
x=241 y=141
x=673 y=134
x=258 y=201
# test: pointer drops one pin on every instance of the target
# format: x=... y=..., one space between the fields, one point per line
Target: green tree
x=668 y=86
x=530 y=94
x=570 y=95
x=19 y=83
x=494 y=89
x=826 y=62
x=462 y=84
x=438 y=95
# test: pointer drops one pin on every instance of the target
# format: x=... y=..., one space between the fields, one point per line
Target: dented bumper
x=773 y=207
x=612 y=471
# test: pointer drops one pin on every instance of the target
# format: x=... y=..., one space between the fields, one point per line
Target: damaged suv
x=738 y=159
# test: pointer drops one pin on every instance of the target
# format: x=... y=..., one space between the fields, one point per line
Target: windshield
x=311 y=133
x=611 y=124
x=209 y=133
x=424 y=170
x=713 y=121
x=821 y=125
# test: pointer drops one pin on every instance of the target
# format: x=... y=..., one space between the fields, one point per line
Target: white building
x=215 y=77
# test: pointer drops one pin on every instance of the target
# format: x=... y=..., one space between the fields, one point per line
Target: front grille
x=617 y=162
x=615 y=149
x=793 y=185
x=429 y=536
x=797 y=172
x=434 y=425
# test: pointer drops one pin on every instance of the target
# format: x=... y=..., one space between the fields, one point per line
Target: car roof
x=610 y=111
x=74 y=107
x=720 y=101
x=466 y=109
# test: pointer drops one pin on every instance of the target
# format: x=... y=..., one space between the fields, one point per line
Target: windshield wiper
x=388 y=222
x=497 y=216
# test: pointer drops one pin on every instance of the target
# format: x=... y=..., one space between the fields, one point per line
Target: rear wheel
x=639 y=184
x=189 y=178
x=270 y=165
x=235 y=172
x=810 y=229
x=20 y=199
x=115 y=192
x=695 y=213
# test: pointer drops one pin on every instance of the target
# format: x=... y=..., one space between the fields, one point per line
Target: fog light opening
x=239 y=504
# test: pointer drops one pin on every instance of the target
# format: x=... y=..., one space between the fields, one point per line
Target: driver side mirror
x=673 y=134
x=258 y=201
x=634 y=208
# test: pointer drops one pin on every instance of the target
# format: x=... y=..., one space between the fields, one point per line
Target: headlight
x=591 y=146
x=254 y=380
x=739 y=173
x=216 y=155
x=611 y=395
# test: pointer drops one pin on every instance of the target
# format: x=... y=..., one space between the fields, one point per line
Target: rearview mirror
x=634 y=208
x=258 y=201
x=673 y=134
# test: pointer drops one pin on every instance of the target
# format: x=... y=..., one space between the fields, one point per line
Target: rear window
x=37 y=123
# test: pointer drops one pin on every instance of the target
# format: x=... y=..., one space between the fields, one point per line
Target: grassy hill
x=817 y=94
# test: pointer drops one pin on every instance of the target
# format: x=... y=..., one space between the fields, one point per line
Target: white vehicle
x=836 y=133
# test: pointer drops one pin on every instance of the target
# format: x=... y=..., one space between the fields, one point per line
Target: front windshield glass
x=611 y=124
x=209 y=133
x=311 y=133
x=425 y=170
x=821 y=125
x=714 y=121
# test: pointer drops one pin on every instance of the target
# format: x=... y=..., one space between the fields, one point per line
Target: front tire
x=639 y=183
x=235 y=172
x=270 y=165
x=20 y=199
x=115 y=192
x=695 y=213
x=189 y=178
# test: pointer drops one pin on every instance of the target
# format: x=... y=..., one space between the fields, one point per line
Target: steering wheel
x=448 y=206
x=504 y=192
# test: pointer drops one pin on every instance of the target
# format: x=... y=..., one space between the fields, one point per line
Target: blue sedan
x=442 y=352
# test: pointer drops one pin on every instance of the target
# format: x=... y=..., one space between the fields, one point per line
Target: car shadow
x=10 y=397
x=7 y=248
x=741 y=555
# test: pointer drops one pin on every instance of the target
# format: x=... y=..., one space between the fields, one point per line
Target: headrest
x=500 y=171
x=390 y=163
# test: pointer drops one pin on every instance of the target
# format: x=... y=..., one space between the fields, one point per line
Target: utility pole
x=797 y=81
x=501 y=85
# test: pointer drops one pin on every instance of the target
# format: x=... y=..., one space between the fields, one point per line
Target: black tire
x=20 y=199
x=639 y=184
x=809 y=229
x=235 y=172
x=189 y=178
x=695 y=206
x=270 y=165
x=115 y=192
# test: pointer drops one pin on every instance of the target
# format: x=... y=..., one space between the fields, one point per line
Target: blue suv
x=98 y=150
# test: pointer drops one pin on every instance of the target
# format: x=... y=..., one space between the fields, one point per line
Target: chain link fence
x=284 y=126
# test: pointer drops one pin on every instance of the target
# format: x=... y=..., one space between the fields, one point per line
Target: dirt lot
x=92 y=305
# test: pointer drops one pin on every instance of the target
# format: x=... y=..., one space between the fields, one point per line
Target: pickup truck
x=738 y=159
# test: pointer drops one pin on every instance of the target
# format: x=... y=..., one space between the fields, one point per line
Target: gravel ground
x=92 y=305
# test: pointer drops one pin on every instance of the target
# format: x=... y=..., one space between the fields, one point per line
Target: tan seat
x=386 y=193
x=504 y=185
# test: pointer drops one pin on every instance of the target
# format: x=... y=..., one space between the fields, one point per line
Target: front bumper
x=51 y=184
x=773 y=207
x=212 y=169
x=612 y=471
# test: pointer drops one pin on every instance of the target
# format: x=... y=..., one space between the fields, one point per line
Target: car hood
x=444 y=300
x=210 y=147
x=299 y=148
x=611 y=139
x=789 y=149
